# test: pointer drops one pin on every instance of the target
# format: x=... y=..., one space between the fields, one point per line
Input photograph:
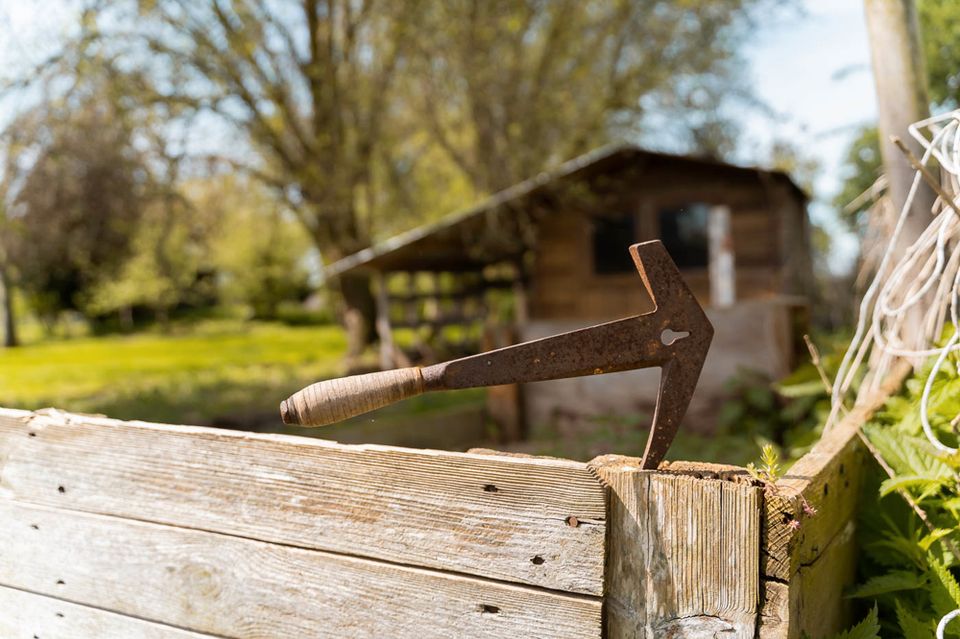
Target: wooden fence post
x=683 y=553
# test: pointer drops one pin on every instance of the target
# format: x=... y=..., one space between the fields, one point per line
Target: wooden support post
x=898 y=72
x=521 y=303
x=723 y=282
x=384 y=331
x=6 y=307
x=683 y=555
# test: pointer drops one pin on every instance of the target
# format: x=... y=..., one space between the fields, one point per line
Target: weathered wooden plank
x=497 y=517
x=683 y=554
x=828 y=479
x=25 y=615
x=242 y=588
x=812 y=604
x=808 y=561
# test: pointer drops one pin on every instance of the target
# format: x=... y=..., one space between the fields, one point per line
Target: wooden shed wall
x=767 y=220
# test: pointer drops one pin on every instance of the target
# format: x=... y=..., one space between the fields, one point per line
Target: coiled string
x=926 y=280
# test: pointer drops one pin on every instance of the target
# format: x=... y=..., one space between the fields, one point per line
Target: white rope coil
x=947 y=618
x=925 y=281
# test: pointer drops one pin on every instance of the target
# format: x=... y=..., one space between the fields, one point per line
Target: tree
x=169 y=264
x=259 y=252
x=6 y=281
x=939 y=23
x=76 y=205
x=305 y=84
x=901 y=84
x=341 y=104
x=522 y=85
x=861 y=168
x=7 y=310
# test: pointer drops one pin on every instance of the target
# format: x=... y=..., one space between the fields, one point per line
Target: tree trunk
x=900 y=79
x=340 y=237
x=9 y=321
x=360 y=311
x=901 y=85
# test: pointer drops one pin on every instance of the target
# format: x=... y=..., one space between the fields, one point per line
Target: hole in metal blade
x=669 y=336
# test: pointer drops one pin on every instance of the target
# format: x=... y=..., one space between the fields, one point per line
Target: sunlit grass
x=195 y=373
x=230 y=372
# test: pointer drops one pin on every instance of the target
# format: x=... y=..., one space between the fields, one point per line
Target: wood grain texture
x=246 y=589
x=813 y=603
x=498 y=517
x=683 y=557
x=24 y=615
x=828 y=479
x=774 y=610
x=808 y=566
x=335 y=400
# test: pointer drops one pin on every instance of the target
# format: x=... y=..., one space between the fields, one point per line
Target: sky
x=810 y=66
x=814 y=71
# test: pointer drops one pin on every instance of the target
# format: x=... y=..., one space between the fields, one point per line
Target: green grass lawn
x=193 y=374
x=235 y=373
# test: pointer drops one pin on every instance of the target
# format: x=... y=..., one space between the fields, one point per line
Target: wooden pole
x=384 y=330
x=9 y=322
x=723 y=283
x=683 y=553
x=900 y=80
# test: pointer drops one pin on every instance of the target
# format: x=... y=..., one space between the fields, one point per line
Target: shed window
x=683 y=231
x=612 y=236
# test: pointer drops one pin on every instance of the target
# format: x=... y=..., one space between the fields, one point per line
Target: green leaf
x=910 y=626
x=893 y=581
x=928 y=484
x=936 y=535
x=802 y=389
x=907 y=454
x=944 y=591
x=869 y=628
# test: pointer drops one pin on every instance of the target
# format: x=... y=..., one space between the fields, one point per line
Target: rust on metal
x=675 y=336
x=643 y=341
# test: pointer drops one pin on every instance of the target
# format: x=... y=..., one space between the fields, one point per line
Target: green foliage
x=627 y=435
x=911 y=627
x=861 y=167
x=894 y=581
x=908 y=566
x=869 y=628
x=76 y=206
x=940 y=24
x=167 y=265
x=259 y=253
x=295 y=314
x=769 y=469
x=789 y=413
x=222 y=240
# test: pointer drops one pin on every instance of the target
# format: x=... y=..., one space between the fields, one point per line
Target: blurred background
x=206 y=205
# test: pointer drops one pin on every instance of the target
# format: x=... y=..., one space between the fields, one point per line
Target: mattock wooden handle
x=334 y=400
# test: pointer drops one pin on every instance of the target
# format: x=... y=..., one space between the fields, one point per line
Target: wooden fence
x=130 y=529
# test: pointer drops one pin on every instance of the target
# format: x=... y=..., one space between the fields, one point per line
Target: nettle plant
x=910 y=512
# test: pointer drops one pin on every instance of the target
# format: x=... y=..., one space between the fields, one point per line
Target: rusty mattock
x=674 y=336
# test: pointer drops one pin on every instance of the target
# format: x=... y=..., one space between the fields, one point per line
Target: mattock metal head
x=685 y=333
x=674 y=336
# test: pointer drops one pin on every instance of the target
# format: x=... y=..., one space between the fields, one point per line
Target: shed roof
x=450 y=243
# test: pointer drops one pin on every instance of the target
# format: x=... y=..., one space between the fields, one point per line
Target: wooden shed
x=558 y=243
